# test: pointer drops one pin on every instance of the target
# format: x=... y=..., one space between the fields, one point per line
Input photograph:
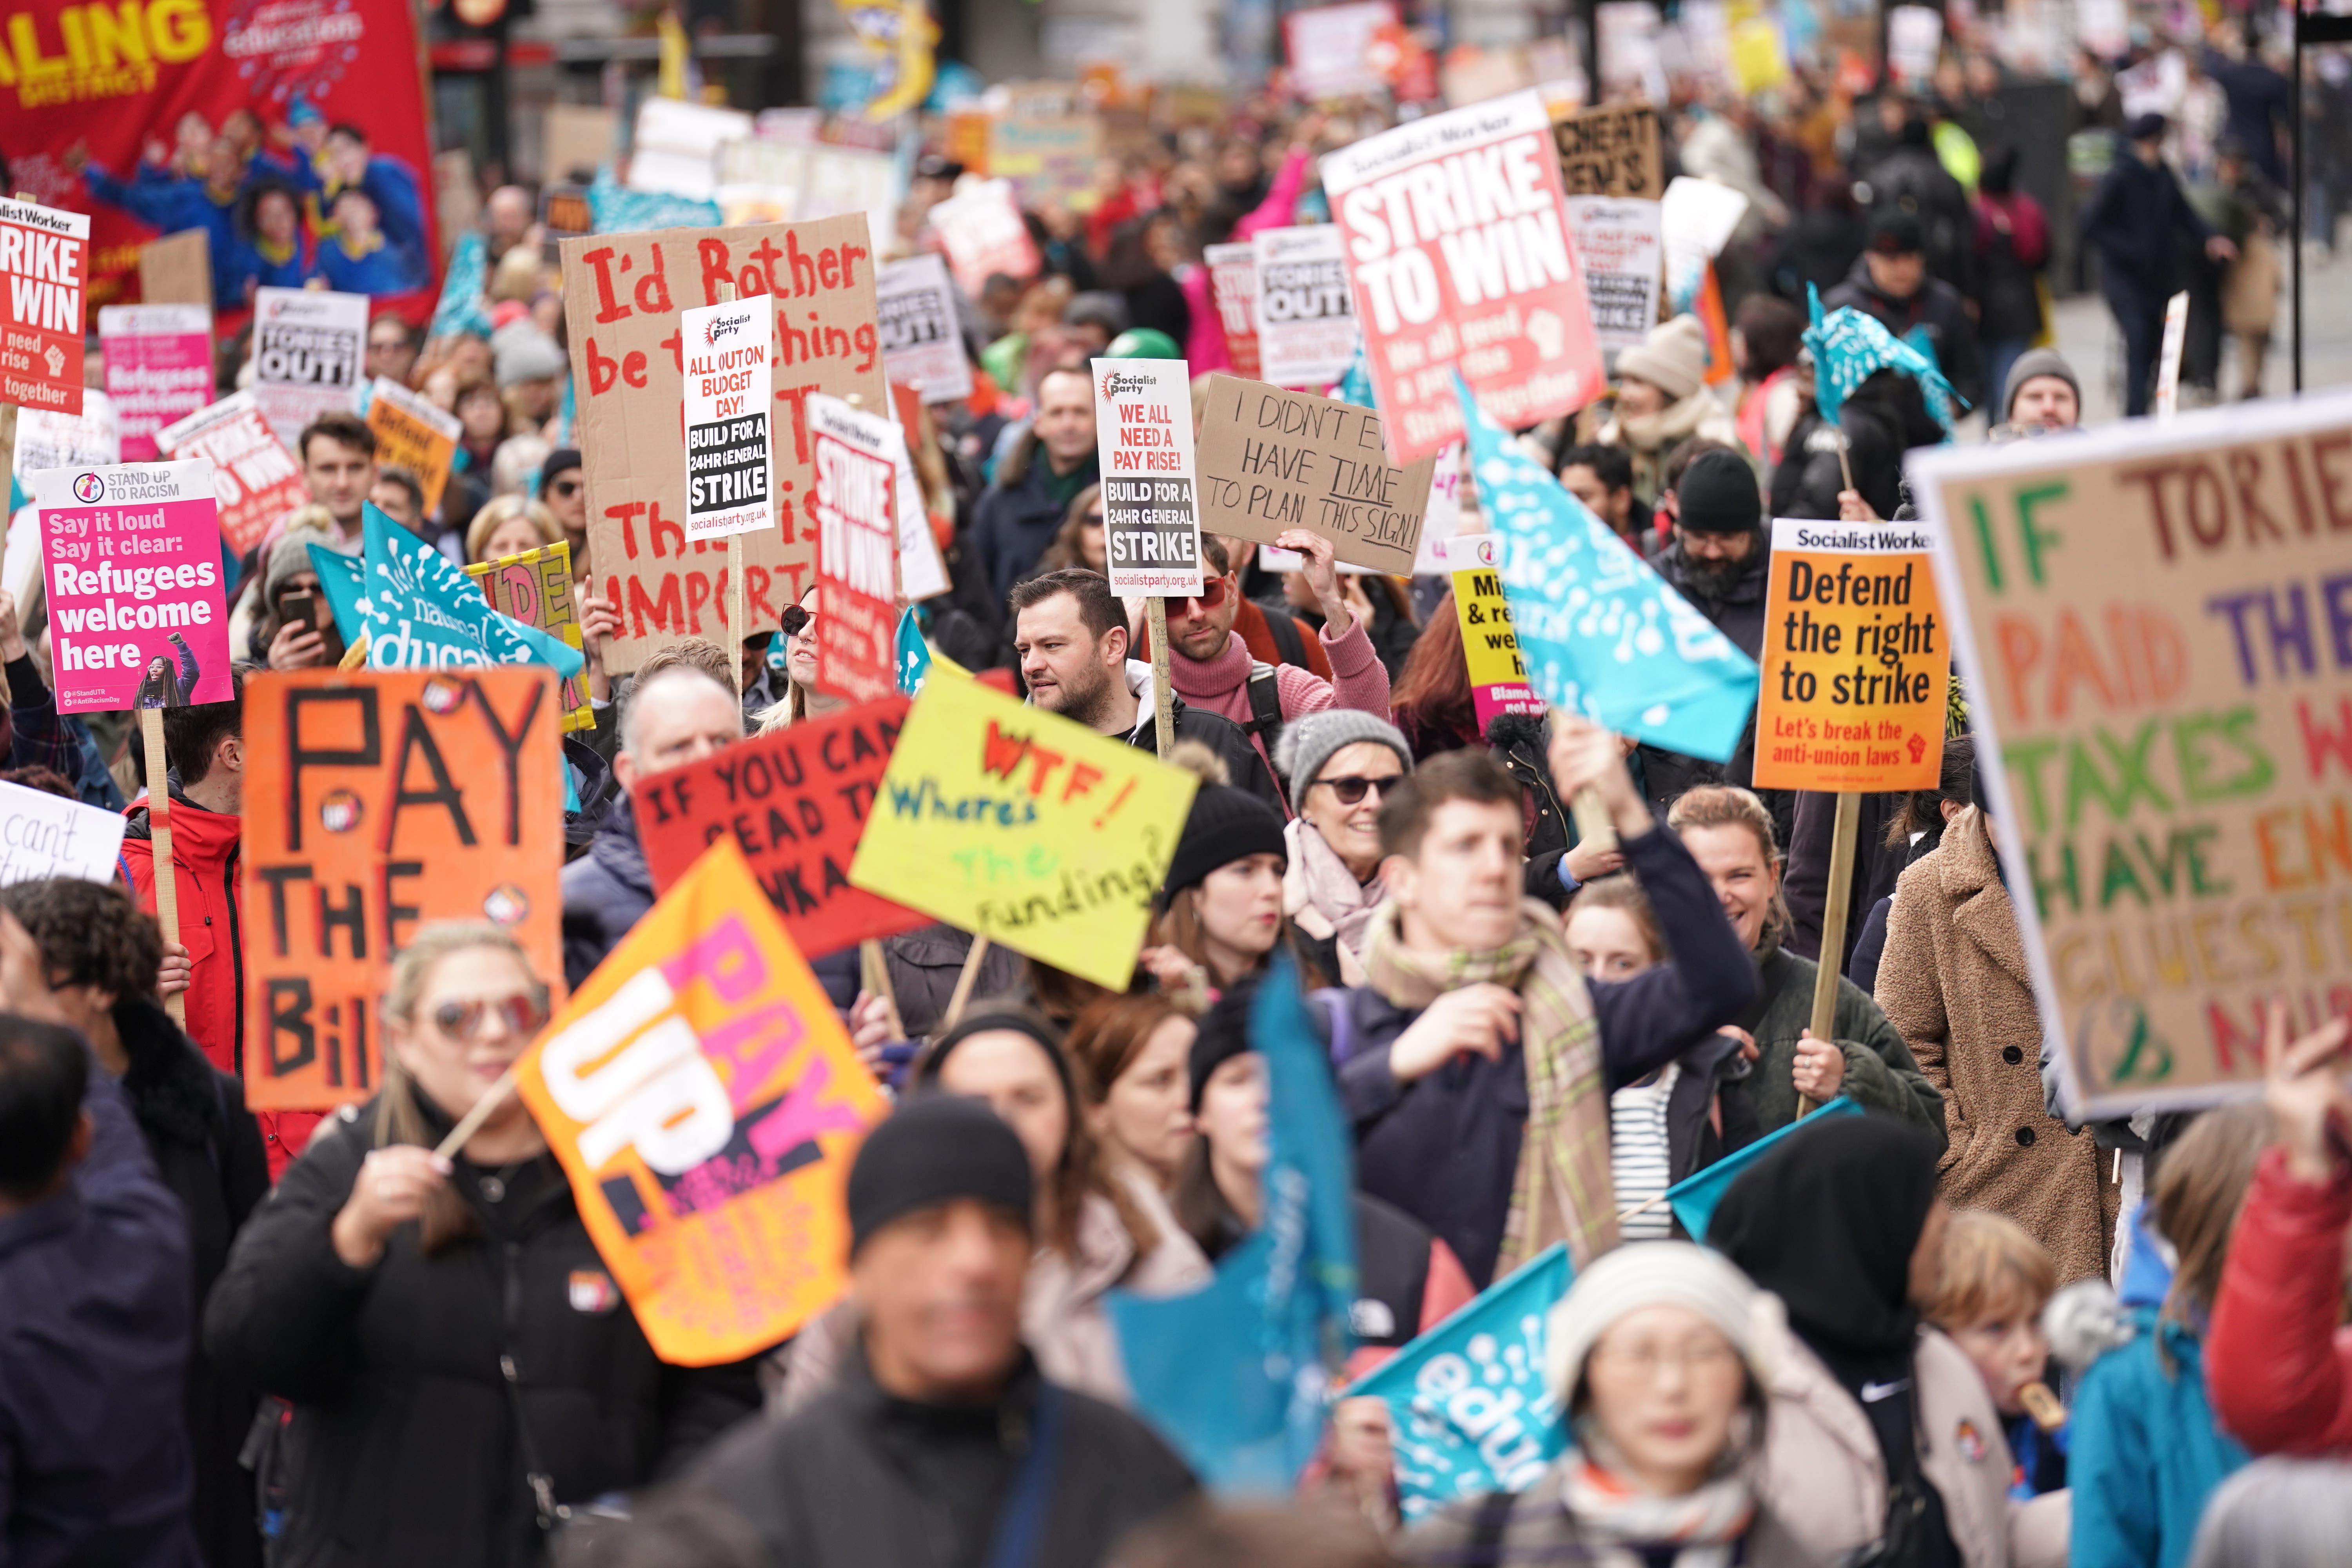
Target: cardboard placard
x=1049 y=161
x=309 y=346
x=376 y=804
x=1610 y=152
x=1271 y=460
x=43 y=835
x=45 y=262
x=177 y=270
x=1498 y=675
x=1024 y=827
x=2155 y=624
x=535 y=588
x=795 y=802
x=1233 y=291
x=730 y=469
x=983 y=234
x=1329 y=49
x=159 y=368
x=923 y=340
x=859 y=458
x=1856 y=660
x=705 y=1103
x=413 y=433
x=255 y=479
x=1306 y=316
x=577 y=137
x=621 y=299
x=1143 y=442
x=1621 y=245
x=1485 y=285
x=131 y=559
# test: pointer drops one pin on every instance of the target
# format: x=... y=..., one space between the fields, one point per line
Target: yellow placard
x=1024 y=827
x=1498 y=673
x=1856 y=660
x=412 y=434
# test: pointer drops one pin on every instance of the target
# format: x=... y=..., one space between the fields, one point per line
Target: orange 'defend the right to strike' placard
x=1855 y=660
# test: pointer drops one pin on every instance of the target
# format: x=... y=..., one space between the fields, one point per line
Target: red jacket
x=204 y=851
x=2277 y=1367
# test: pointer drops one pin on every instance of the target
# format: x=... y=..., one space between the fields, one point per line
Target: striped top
x=1637 y=1153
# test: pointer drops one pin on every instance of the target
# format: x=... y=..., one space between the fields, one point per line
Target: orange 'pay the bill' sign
x=706 y=1103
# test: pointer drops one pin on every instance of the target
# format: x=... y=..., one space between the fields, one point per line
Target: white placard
x=90 y=440
x=1914 y=35
x=730 y=463
x=1621 y=244
x=1695 y=221
x=309 y=345
x=1143 y=439
x=923 y=340
x=1330 y=49
x=1306 y=313
x=43 y=835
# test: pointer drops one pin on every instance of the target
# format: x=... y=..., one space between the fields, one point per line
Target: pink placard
x=159 y=368
x=132 y=564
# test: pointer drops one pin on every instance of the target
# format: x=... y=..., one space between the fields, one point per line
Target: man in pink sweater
x=1212 y=669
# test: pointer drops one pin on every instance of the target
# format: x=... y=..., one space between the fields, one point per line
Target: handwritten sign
x=2156 y=627
x=43 y=835
x=535 y=588
x=413 y=433
x=1143 y=438
x=376 y=803
x=1498 y=674
x=1306 y=317
x=706 y=1103
x=159 y=368
x=1486 y=285
x=1271 y=460
x=1048 y=161
x=621 y=299
x=307 y=348
x=1622 y=246
x=795 y=802
x=730 y=386
x=1857 y=656
x=858 y=459
x=132 y=573
x=45 y=257
x=1024 y=828
x=1610 y=152
x=1232 y=293
x=923 y=340
x=255 y=479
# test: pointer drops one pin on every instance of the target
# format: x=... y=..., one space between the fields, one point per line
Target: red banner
x=291 y=130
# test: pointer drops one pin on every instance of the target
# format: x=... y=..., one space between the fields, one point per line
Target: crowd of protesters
x=1957 y=1329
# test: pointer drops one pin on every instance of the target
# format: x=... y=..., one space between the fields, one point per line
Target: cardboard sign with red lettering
x=621 y=295
x=795 y=802
x=859 y=458
x=45 y=262
x=254 y=475
x=376 y=803
x=1457 y=247
x=705 y=1103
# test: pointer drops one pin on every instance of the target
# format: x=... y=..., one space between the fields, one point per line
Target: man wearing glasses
x=563 y=486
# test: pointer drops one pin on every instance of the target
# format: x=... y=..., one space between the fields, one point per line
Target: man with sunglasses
x=564 y=487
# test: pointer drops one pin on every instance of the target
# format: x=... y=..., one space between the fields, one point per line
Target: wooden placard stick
x=735 y=546
x=471 y=1123
x=874 y=979
x=1833 y=918
x=1593 y=826
x=1163 y=687
x=159 y=824
x=965 y=981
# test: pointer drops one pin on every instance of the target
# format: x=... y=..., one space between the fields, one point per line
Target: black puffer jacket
x=404 y=1448
x=1937 y=306
x=1736 y=606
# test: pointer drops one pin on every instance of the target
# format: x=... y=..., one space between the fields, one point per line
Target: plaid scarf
x=1562 y=1190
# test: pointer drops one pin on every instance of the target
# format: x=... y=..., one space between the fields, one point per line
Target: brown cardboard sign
x=1269 y=460
x=621 y=295
x=1611 y=151
x=578 y=136
x=177 y=270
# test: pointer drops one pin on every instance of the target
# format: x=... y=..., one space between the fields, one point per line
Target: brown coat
x=1955 y=984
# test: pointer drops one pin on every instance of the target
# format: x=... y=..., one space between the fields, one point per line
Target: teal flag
x=1849 y=346
x=613 y=209
x=422 y=613
x=343 y=580
x=1467 y=1401
x=1694 y=1197
x=1356 y=387
x=1601 y=632
x=465 y=289
x=1235 y=1375
x=914 y=653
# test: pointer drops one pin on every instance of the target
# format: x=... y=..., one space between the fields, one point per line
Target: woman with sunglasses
x=462 y=1368
x=1341 y=765
x=801 y=700
x=1079 y=544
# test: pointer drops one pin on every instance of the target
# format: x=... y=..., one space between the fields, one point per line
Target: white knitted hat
x=1649 y=1274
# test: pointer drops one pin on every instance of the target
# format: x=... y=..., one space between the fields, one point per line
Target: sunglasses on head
x=796 y=620
x=1354 y=788
x=523 y=1012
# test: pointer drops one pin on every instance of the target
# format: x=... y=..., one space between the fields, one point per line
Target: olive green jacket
x=1879 y=1071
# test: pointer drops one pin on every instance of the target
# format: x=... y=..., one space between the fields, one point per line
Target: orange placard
x=706 y=1103
x=377 y=802
x=1855 y=660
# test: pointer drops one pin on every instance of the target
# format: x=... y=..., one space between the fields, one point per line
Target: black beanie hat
x=1019 y=1021
x=1225 y=825
x=562 y=460
x=1223 y=1034
x=1717 y=494
x=935 y=1149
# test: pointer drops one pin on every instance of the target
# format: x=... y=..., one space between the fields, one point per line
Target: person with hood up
x=1220 y=913
x=2135 y=220
x=1880 y=420
x=1343 y=766
x=1100 y=1222
x=1729 y=832
x=2041 y=395
x=1879 y=1433
x=1720 y=562
x=1663 y=399
x=1891 y=281
x=1659 y=1357
x=943 y=1441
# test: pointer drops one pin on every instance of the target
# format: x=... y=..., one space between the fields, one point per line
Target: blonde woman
x=462 y=1368
x=801 y=700
x=510 y=525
